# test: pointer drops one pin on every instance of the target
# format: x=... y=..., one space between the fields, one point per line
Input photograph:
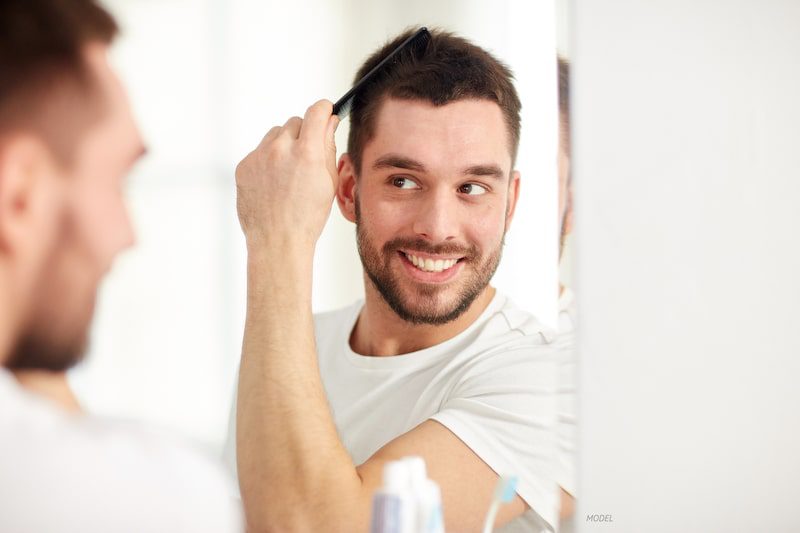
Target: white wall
x=686 y=174
x=207 y=79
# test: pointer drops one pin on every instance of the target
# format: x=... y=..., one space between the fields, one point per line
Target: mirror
x=206 y=80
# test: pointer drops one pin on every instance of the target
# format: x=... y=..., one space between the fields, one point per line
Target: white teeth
x=429 y=265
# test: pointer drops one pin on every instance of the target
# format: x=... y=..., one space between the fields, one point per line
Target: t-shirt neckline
x=422 y=357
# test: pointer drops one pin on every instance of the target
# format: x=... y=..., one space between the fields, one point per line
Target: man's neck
x=380 y=332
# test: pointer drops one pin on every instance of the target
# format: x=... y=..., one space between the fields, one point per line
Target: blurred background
x=207 y=79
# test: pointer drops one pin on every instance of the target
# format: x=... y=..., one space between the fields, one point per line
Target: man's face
x=432 y=205
x=93 y=228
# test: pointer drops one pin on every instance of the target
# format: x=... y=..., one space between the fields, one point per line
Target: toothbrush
x=503 y=493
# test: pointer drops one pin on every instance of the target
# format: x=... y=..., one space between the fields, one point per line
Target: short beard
x=379 y=273
x=35 y=351
x=39 y=345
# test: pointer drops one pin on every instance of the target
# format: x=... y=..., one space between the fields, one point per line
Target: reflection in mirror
x=566 y=345
x=435 y=361
x=567 y=314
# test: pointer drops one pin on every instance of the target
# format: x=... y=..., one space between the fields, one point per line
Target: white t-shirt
x=566 y=351
x=493 y=386
x=61 y=472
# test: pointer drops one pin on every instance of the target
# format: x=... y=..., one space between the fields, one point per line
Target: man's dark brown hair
x=446 y=69
x=45 y=84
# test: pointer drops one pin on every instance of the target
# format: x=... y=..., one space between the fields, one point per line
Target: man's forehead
x=417 y=128
x=467 y=112
x=116 y=127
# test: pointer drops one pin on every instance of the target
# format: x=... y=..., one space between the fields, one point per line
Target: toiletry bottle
x=428 y=496
x=393 y=505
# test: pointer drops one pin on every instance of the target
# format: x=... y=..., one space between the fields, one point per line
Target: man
x=434 y=362
x=67 y=140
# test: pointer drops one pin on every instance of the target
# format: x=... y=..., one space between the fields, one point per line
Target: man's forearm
x=294 y=472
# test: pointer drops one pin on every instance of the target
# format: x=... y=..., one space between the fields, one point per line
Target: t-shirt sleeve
x=504 y=408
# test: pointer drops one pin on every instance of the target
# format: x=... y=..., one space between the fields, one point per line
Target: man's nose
x=436 y=216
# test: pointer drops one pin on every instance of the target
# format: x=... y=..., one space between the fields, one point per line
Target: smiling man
x=434 y=362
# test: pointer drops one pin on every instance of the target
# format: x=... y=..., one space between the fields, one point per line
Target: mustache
x=421 y=245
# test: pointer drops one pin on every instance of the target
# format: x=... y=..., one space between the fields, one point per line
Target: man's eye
x=472 y=189
x=404 y=183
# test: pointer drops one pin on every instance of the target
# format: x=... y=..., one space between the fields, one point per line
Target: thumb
x=330 y=145
x=330 y=138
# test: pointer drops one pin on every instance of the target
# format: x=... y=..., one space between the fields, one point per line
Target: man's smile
x=431 y=263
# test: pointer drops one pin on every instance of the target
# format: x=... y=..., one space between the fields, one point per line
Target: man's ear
x=513 y=196
x=346 y=192
x=26 y=169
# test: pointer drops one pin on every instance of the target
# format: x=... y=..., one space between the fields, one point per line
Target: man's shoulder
x=84 y=458
x=512 y=354
x=508 y=323
x=505 y=336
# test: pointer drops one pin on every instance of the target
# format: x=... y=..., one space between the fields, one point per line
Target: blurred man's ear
x=26 y=180
x=513 y=196
x=346 y=193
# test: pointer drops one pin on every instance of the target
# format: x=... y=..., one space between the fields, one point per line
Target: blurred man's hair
x=446 y=69
x=46 y=86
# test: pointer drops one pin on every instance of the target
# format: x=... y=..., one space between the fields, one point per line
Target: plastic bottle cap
x=396 y=476
x=417 y=471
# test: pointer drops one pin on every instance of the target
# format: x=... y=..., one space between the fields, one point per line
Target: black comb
x=344 y=104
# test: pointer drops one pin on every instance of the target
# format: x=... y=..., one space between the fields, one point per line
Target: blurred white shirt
x=64 y=472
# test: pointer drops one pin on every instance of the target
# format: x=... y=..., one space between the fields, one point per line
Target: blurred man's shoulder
x=80 y=472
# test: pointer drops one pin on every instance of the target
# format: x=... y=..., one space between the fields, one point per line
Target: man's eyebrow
x=493 y=171
x=398 y=161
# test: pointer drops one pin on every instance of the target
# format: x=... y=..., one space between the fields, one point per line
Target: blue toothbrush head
x=506 y=489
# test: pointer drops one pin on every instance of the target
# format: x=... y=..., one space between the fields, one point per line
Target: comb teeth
x=415 y=43
x=342 y=109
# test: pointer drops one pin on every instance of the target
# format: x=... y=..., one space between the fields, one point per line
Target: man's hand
x=285 y=187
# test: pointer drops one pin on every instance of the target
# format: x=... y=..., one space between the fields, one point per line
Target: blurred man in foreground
x=67 y=141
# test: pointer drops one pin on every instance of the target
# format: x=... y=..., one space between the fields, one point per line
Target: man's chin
x=36 y=353
x=432 y=305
